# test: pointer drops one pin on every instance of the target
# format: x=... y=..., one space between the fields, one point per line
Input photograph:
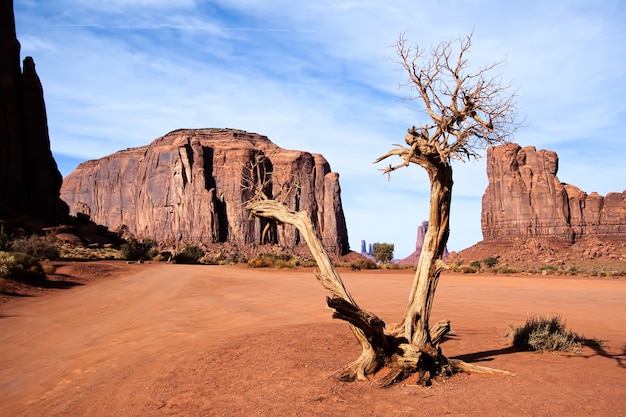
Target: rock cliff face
x=525 y=199
x=186 y=188
x=29 y=178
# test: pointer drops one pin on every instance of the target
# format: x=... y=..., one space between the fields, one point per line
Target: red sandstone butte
x=525 y=199
x=185 y=188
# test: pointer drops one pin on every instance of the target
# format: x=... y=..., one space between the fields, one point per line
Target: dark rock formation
x=525 y=199
x=29 y=178
x=186 y=188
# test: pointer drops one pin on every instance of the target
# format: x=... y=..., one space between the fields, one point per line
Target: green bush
x=383 y=252
x=362 y=263
x=490 y=261
x=37 y=247
x=475 y=264
x=548 y=269
x=20 y=266
x=135 y=250
x=549 y=334
x=189 y=255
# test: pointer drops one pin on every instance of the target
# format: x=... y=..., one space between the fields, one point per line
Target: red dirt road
x=176 y=340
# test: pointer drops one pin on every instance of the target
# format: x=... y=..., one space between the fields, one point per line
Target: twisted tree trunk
x=430 y=263
x=366 y=326
x=412 y=350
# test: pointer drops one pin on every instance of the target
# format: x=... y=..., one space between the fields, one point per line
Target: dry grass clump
x=269 y=260
x=545 y=334
x=362 y=263
x=68 y=251
x=38 y=247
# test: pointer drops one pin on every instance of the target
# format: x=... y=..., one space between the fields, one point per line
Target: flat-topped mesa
x=186 y=188
x=526 y=199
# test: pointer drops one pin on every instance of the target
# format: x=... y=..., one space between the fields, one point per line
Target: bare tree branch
x=468 y=111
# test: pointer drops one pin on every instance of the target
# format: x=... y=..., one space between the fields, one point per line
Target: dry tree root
x=394 y=352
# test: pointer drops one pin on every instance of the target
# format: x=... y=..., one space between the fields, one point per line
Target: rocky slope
x=29 y=178
x=186 y=188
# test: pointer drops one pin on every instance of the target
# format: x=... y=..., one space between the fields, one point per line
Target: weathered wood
x=461 y=366
x=439 y=331
x=394 y=376
x=370 y=359
x=372 y=326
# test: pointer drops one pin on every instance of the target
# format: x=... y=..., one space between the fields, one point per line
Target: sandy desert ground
x=182 y=340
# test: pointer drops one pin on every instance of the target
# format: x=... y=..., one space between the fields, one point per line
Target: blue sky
x=321 y=76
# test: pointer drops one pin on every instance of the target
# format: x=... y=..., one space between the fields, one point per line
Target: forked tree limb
x=371 y=357
x=380 y=346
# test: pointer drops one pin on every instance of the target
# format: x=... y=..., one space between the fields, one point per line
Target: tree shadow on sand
x=600 y=350
x=61 y=284
x=487 y=355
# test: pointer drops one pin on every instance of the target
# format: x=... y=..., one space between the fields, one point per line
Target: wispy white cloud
x=320 y=76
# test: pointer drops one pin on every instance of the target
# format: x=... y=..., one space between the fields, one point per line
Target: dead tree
x=466 y=113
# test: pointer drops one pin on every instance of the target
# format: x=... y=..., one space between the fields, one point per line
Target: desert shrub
x=189 y=255
x=270 y=260
x=193 y=252
x=490 y=261
x=159 y=257
x=261 y=262
x=545 y=333
x=20 y=266
x=6 y=240
x=505 y=269
x=307 y=263
x=49 y=269
x=292 y=263
x=548 y=269
x=394 y=266
x=475 y=264
x=467 y=269
x=135 y=250
x=79 y=252
x=207 y=260
x=362 y=263
x=37 y=247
